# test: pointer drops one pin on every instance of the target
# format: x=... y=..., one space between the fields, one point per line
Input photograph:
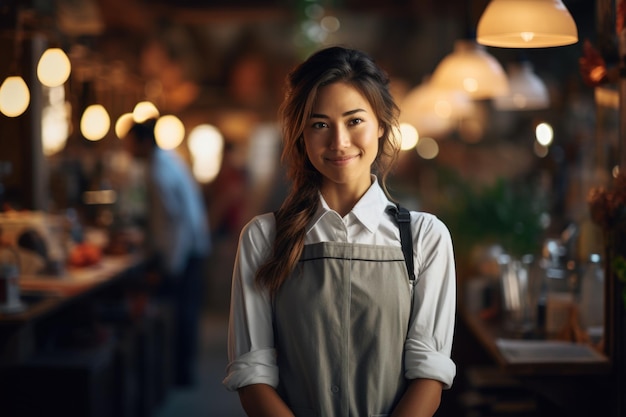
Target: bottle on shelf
x=591 y=299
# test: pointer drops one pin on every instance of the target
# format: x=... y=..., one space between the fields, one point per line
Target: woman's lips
x=340 y=160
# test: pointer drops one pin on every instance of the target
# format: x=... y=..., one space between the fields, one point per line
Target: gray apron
x=340 y=325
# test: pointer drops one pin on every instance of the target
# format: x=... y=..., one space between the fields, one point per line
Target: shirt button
x=334 y=389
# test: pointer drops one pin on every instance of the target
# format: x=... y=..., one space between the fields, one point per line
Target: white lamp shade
x=526 y=24
x=54 y=67
x=527 y=90
x=471 y=69
x=14 y=96
x=434 y=111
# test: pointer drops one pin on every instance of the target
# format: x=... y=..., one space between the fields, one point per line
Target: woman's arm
x=262 y=400
x=421 y=399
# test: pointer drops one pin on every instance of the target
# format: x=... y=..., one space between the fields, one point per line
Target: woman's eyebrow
x=323 y=116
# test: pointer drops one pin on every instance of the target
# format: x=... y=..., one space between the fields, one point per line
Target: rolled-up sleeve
x=251 y=352
x=429 y=340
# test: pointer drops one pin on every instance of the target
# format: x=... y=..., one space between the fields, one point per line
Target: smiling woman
x=341 y=142
x=324 y=280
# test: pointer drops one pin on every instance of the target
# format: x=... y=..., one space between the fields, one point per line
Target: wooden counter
x=44 y=296
x=567 y=379
x=535 y=356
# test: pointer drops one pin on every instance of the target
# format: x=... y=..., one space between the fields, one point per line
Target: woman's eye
x=356 y=121
x=319 y=125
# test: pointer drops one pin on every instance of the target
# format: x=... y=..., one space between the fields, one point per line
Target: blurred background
x=508 y=169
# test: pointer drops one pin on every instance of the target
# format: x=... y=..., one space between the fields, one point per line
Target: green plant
x=504 y=213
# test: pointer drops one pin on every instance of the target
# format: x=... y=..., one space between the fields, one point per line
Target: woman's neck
x=342 y=199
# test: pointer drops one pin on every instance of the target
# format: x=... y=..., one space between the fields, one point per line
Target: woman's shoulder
x=424 y=222
x=261 y=226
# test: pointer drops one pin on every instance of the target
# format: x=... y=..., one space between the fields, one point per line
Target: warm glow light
x=145 y=110
x=527 y=90
x=169 y=132
x=95 y=123
x=123 y=125
x=206 y=145
x=470 y=85
x=443 y=109
x=471 y=69
x=615 y=171
x=54 y=67
x=427 y=148
x=434 y=111
x=55 y=121
x=526 y=24
x=544 y=134
x=409 y=137
x=14 y=96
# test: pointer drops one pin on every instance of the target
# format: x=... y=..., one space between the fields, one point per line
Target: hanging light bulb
x=145 y=110
x=526 y=24
x=95 y=123
x=527 y=90
x=123 y=125
x=54 y=67
x=409 y=137
x=206 y=145
x=169 y=132
x=471 y=69
x=14 y=96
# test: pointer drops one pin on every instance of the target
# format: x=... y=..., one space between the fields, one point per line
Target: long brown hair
x=327 y=66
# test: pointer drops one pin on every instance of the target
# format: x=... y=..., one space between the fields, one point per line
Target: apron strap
x=403 y=218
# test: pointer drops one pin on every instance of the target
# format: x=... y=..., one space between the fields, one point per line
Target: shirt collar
x=368 y=210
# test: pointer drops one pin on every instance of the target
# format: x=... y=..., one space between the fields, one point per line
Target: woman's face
x=341 y=137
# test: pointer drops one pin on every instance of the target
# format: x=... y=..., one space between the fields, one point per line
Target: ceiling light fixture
x=527 y=90
x=434 y=111
x=54 y=67
x=471 y=69
x=14 y=96
x=526 y=24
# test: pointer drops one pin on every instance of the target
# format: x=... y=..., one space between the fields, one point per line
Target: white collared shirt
x=251 y=353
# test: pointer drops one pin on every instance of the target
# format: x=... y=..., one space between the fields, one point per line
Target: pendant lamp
x=526 y=24
x=434 y=111
x=471 y=69
x=14 y=96
x=95 y=122
x=527 y=90
x=54 y=67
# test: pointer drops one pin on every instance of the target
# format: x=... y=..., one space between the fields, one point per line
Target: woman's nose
x=340 y=138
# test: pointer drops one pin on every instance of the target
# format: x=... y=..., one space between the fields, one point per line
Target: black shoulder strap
x=403 y=218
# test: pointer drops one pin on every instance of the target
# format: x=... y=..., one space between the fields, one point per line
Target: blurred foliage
x=507 y=213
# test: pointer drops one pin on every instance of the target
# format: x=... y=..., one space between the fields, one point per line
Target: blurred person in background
x=328 y=317
x=177 y=240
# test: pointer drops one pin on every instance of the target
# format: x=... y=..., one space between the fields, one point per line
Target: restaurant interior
x=515 y=140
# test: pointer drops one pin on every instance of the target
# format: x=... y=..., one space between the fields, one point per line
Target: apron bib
x=340 y=326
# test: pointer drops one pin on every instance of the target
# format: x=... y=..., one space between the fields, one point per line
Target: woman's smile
x=342 y=138
x=341 y=160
